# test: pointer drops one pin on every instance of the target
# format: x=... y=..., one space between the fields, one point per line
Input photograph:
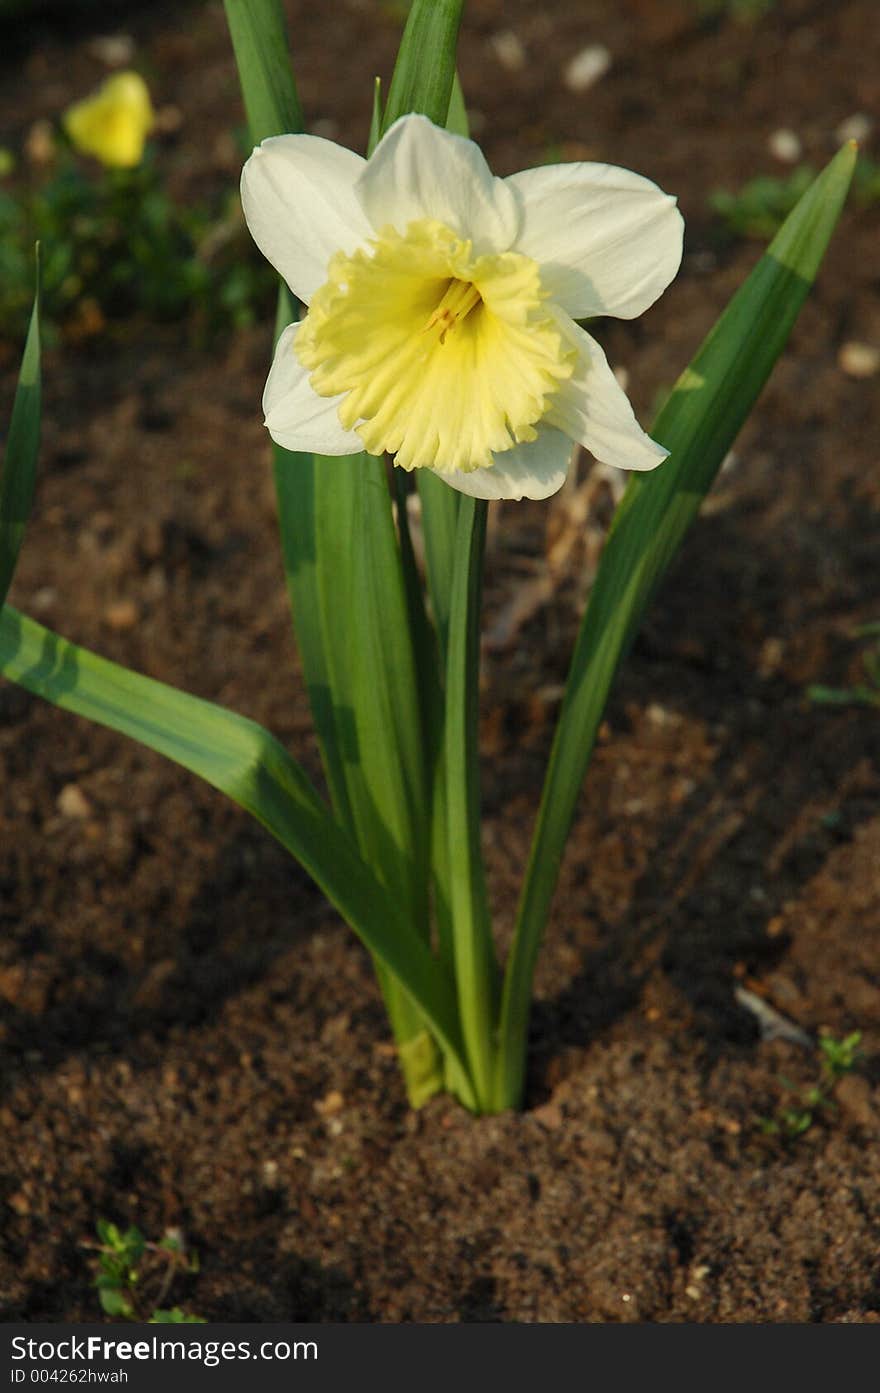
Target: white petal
x=297 y=192
x=534 y=470
x=608 y=241
x=296 y=417
x=593 y=408
x=420 y=171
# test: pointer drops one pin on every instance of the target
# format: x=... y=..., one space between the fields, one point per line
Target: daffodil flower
x=442 y=304
x=114 y=122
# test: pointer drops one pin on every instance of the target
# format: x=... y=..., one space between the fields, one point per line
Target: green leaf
x=115 y=1303
x=18 y=475
x=133 y=1244
x=698 y=425
x=376 y=118
x=457 y=117
x=108 y=1233
x=295 y=490
x=425 y=68
x=368 y=648
x=366 y=642
x=386 y=694
x=471 y=930
x=259 y=39
x=245 y=762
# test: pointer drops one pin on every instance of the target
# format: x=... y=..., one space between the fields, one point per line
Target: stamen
x=460 y=298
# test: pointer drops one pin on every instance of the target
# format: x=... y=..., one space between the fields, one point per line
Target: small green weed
x=130 y=1267
x=865 y=693
x=836 y=1058
x=742 y=11
x=115 y=243
x=761 y=206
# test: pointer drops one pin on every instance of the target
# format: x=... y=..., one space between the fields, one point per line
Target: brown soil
x=191 y=1038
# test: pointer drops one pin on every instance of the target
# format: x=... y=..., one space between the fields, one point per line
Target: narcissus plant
x=444 y=327
x=443 y=305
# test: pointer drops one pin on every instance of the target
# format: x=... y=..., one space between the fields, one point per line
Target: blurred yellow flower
x=114 y=122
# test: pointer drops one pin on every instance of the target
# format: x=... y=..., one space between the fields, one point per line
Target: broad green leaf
x=367 y=648
x=428 y=670
x=369 y=655
x=425 y=68
x=471 y=930
x=389 y=787
x=698 y=425
x=420 y=626
x=19 y=470
x=259 y=40
x=248 y=764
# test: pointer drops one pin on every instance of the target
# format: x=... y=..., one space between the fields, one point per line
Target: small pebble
x=771 y=656
x=333 y=1102
x=39 y=143
x=785 y=145
x=587 y=67
x=508 y=49
x=168 y=120
x=121 y=615
x=113 y=50
x=659 y=715
x=859 y=359
x=856 y=127
x=44 y=598
x=549 y=1115
x=72 y=802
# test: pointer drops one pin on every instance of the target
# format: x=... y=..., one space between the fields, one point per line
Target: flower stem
x=473 y=954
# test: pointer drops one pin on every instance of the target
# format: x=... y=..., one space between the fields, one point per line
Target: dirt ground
x=192 y=1040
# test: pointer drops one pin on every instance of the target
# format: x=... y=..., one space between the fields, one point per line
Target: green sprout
x=761 y=206
x=836 y=1058
x=127 y=1263
x=865 y=693
x=115 y=243
x=839 y=1057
